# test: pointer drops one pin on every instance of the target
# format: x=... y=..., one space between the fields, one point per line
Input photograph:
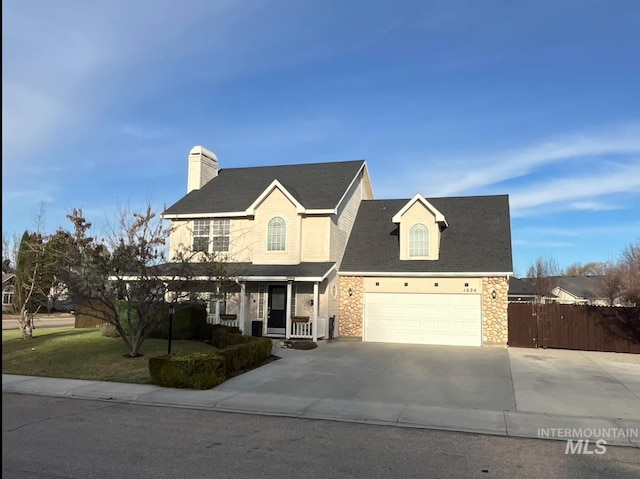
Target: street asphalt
x=503 y=392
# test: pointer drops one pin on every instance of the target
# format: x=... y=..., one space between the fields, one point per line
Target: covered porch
x=279 y=301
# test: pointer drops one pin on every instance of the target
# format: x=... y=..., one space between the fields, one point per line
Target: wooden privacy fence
x=566 y=326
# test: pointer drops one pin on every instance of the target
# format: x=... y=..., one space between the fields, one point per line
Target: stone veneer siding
x=495 y=325
x=351 y=307
x=495 y=316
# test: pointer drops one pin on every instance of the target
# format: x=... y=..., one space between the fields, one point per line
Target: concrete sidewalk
x=481 y=421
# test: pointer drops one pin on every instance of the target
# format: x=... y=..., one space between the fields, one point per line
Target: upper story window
x=201 y=230
x=276 y=234
x=418 y=241
x=221 y=228
x=214 y=232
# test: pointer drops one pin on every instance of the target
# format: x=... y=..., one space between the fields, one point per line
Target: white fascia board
x=267 y=279
x=189 y=216
x=274 y=184
x=310 y=212
x=418 y=197
x=425 y=274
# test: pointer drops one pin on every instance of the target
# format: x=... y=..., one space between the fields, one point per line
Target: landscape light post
x=172 y=310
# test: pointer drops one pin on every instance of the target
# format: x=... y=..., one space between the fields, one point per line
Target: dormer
x=419 y=224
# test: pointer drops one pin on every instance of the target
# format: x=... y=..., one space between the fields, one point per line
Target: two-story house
x=308 y=242
x=283 y=229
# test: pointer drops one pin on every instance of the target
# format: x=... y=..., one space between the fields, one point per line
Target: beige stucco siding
x=418 y=213
x=276 y=204
x=180 y=237
x=242 y=239
x=315 y=238
x=422 y=285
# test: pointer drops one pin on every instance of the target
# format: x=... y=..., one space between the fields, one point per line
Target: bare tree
x=593 y=268
x=611 y=282
x=10 y=245
x=630 y=270
x=125 y=278
x=543 y=275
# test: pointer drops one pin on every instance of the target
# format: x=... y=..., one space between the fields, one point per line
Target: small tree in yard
x=128 y=267
x=34 y=278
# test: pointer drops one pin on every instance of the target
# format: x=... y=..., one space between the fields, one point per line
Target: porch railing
x=302 y=328
x=225 y=319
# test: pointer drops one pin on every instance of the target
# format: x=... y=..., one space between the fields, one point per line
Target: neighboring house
x=8 y=288
x=308 y=242
x=580 y=290
x=521 y=290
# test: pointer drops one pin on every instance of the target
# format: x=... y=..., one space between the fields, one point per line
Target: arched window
x=418 y=241
x=276 y=234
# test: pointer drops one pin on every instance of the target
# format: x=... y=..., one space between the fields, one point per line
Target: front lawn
x=84 y=354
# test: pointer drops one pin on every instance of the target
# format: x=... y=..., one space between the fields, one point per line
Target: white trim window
x=7 y=295
x=201 y=230
x=221 y=230
x=418 y=241
x=276 y=234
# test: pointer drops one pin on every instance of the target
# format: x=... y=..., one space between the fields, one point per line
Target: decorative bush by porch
x=223 y=336
x=204 y=371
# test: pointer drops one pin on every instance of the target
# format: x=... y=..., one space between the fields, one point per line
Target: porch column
x=243 y=299
x=315 y=312
x=287 y=332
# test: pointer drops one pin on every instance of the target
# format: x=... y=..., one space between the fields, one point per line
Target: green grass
x=84 y=354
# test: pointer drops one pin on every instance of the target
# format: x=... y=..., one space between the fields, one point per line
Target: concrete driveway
x=569 y=383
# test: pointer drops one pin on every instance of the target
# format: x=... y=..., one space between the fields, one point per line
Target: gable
x=418 y=204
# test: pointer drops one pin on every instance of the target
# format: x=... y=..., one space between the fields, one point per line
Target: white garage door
x=451 y=319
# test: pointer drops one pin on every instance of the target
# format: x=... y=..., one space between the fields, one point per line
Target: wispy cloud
x=576 y=193
x=461 y=175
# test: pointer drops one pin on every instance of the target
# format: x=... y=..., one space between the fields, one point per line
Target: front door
x=277 y=309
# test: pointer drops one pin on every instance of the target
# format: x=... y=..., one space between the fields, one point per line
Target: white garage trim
x=422 y=318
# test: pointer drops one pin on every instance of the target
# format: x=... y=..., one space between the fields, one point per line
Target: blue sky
x=102 y=102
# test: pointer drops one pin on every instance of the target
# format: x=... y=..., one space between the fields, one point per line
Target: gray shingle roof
x=478 y=238
x=588 y=287
x=314 y=185
x=520 y=287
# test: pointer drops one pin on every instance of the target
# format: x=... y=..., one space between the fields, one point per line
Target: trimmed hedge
x=223 y=336
x=193 y=371
x=204 y=371
x=240 y=357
